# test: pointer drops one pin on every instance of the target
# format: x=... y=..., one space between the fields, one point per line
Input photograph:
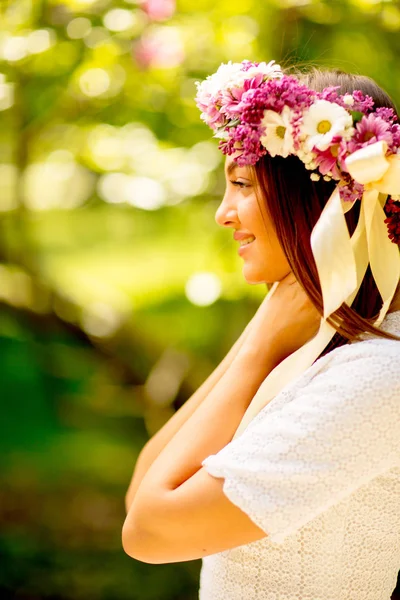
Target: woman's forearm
x=158 y=442
x=206 y=432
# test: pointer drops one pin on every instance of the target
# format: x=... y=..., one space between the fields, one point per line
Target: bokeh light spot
x=78 y=28
x=6 y=93
x=119 y=19
x=40 y=40
x=203 y=289
x=111 y=187
x=145 y=193
x=94 y=82
x=14 y=48
x=100 y=319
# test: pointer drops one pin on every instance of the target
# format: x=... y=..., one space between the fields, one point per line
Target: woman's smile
x=245 y=244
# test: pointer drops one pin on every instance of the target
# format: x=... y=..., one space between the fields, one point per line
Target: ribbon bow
x=342 y=261
x=371 y=167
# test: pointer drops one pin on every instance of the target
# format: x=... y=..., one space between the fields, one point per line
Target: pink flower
x=224 y=90
x=213 y=117
x=159 y=10
x=369 y=130
x=372 y=129
x=211 y=113
x=345 y=148
x=230 y=99
x=274 y=94
x=387 y=114
x=330 y=94
x=248 y=139
x=396 y=136
x=351 y=191
x=161 y=47
x=362 y=103
x=327 y=159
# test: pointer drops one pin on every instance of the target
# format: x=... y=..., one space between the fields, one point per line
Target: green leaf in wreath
x=356 y=115
x=233 y=123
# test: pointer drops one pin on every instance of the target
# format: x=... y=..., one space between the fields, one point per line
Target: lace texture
x=318 y=469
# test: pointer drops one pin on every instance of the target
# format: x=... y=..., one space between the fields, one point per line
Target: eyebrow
x=232 y=167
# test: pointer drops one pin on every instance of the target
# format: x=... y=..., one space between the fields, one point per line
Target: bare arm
x=176 y=489
x=158 y=442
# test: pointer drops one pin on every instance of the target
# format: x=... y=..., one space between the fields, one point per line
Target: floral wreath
x=255 y=108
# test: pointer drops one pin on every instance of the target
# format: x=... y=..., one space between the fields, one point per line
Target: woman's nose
x=226 y=214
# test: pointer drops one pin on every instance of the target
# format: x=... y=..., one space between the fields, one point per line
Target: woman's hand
x=283 y=323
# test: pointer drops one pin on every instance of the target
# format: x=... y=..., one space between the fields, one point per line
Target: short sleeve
x=339 y=430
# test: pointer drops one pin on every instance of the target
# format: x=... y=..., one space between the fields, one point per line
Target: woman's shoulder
x=359 y=370
x=366 y=359
x=390 y=324
x=370 y=344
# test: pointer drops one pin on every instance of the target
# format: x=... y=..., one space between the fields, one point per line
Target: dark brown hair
x=295 y=202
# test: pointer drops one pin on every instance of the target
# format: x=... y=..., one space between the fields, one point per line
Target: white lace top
x=318 y=469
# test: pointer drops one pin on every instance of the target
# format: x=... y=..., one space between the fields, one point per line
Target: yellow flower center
x=324 y=126
x=335 y=150
x=280 y=131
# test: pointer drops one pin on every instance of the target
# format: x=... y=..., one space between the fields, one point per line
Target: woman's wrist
x=257 y=358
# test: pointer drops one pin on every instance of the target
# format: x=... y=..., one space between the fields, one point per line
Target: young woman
x=282 y=471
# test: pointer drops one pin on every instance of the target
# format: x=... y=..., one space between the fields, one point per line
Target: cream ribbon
x=342 y=261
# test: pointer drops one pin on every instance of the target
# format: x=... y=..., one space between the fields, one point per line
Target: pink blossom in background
x=159 y=10
x=161 y=47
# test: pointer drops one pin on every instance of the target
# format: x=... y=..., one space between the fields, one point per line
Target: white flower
x=270 y=70
x=231 y=75
x=278 y=138
x=220 y=79
x=323 y=121
x=348 y=99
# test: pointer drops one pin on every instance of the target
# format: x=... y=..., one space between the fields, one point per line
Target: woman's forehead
x=231 y=165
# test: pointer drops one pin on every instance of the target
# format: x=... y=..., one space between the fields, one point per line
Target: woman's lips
x=242 y=249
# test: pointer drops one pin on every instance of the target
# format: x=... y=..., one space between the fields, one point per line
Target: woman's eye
x=240 y=184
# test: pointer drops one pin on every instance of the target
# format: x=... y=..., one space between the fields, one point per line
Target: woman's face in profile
x=264 y=260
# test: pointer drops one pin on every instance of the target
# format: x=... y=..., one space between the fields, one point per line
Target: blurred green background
x=119 y=293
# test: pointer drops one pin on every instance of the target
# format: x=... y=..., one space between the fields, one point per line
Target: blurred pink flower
x=159 y=10
x=161 y=47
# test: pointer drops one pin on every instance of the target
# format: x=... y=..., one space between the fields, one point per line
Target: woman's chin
x=255 y=276
x=252 y=276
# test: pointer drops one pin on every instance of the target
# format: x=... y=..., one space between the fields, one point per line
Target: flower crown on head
x=255 y=109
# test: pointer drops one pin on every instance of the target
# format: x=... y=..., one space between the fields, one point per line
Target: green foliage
x=109 y=185
x=357 y=115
